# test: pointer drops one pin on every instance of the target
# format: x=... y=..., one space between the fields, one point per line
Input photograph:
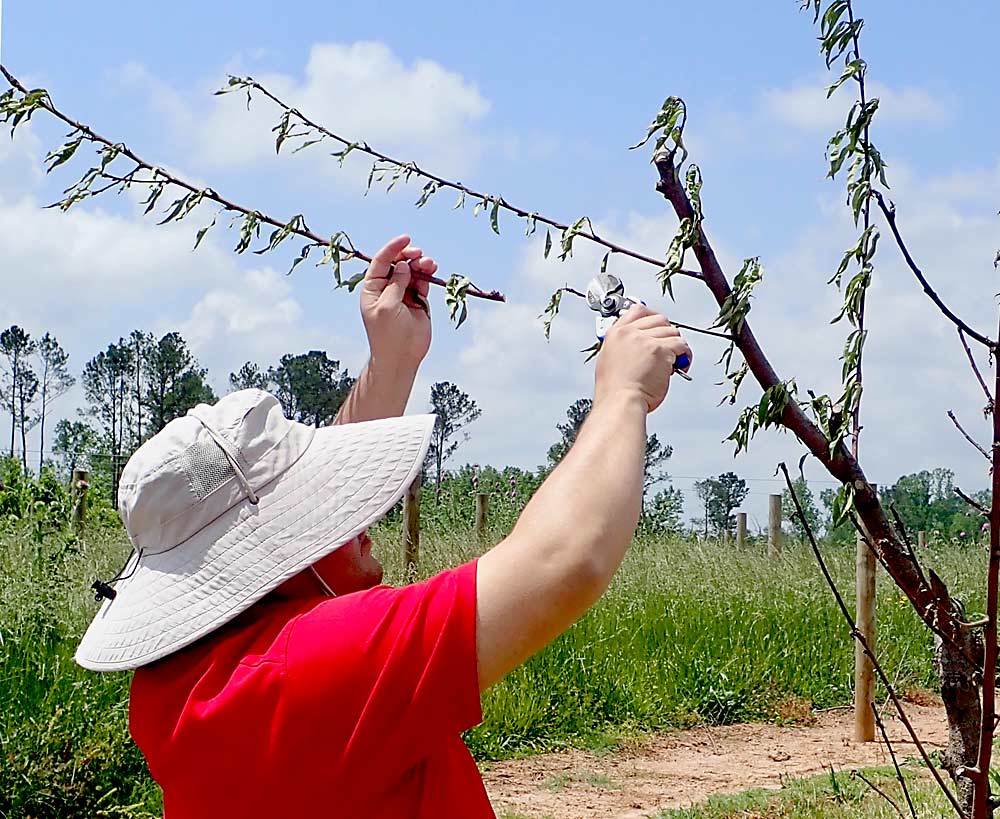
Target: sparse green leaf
x=551 y=311
x=249 y=230
x=495 y=216
x=281 y=129
x=62 y=155
x=854 y=69
x=303 y=255
x=548 y=243
x=203 y=231
x=668 y=124
x=692 y=185
x=593 y=350
x=456 y=297
x=570 y=233
x=428 y=191
x=354 y=281
x=308 y=143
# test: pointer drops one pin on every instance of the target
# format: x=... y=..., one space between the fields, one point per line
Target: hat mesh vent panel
x=207 y=466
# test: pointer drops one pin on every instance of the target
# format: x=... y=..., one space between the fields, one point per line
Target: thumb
x=399 y=281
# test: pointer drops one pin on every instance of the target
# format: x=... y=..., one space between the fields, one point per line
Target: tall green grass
x=692 y=633
x=688 y=632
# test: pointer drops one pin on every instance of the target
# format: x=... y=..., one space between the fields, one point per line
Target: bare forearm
x=568 y=542
x=381 y=391
x=588 y=509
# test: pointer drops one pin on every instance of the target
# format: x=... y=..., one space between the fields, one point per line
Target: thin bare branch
x=573 y=291
x=895 y=762
x=975 y=505
x=857 y=635
x=890 y=216
x=980 y=775
x=907 y=542
x=858 y=775
x=968 y=437
x=975 y=369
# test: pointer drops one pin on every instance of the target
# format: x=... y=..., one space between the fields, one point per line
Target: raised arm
x=398 y=323
x=572 y=536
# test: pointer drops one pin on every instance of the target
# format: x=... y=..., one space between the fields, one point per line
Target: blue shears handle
x=604 y=323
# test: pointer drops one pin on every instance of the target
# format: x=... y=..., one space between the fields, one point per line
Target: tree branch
x=981 y=778
x=982 y=509
x=934 y=609
x=857 y=635
x=441 y=182
x=860 y=78
x=895 y=762
x=968 y=437
x=890 y=216
x=975 y=369
x=858 y=775
x=159 y=175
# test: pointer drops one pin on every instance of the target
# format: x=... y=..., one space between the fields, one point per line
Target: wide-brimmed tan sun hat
x=228 y=502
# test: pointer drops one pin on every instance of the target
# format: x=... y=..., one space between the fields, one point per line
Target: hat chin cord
x=322 y=582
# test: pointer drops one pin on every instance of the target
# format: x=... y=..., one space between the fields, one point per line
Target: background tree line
x=137 y=385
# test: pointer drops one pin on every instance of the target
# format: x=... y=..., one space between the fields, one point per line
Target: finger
x=378 y=269
x=636 y=312
x=664 y=332
x=395 y=289
x=679 y=347
x=650 y=321
x=416 y=300
x=427 y=266
x=411 y=253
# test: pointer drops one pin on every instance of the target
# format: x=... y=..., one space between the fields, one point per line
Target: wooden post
x=922 y=539
x=482 y=507
x=411 y=528
x=774 y=526
x=864 y=670
x=78 y=494
x=741 y=530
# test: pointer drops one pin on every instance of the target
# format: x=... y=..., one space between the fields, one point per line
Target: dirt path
x=681 y=769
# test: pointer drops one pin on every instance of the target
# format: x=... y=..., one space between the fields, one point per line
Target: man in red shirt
x=276 y=676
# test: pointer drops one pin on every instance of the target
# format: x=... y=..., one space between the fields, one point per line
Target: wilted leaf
x=63 y=154
x=456 y=296
x=495 y=217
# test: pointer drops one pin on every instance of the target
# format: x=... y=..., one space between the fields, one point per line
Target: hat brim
x=348 y=478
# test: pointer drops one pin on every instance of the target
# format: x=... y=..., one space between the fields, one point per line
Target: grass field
x=687 y=633
x=835 y=795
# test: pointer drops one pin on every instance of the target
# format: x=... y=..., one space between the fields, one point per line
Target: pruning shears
x=606 y=297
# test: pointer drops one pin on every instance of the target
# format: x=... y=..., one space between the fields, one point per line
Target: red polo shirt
x=322 y=707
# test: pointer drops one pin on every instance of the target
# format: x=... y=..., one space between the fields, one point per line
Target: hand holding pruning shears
x=606 y=296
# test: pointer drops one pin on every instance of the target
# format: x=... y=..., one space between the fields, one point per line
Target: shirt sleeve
x=382 y=677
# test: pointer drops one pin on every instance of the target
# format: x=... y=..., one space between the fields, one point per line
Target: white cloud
x=805 y=105
x=253 y=316
x=360 y=91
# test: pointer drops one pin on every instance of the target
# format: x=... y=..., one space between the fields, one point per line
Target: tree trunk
x=960 y=684
x=13 y=404
x=41 y=432
x=960 y=690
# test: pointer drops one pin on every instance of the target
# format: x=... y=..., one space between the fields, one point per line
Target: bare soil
x=683 y=768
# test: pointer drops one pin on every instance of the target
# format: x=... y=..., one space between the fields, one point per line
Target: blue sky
x=539 y=105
